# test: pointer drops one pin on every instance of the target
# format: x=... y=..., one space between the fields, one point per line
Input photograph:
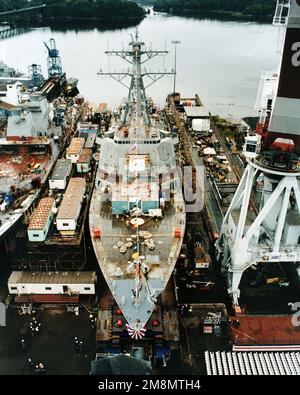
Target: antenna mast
x=136 y=56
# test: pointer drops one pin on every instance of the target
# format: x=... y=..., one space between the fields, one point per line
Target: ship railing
x=279 y=161
x=278 y=257
x=281 y=13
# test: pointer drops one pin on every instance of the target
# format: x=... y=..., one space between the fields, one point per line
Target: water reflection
x=220 y=60
x=100 y=25
x=222 y=17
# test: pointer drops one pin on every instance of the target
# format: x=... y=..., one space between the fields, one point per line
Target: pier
x=23 y=14
x=7 y=32
x=16 y=22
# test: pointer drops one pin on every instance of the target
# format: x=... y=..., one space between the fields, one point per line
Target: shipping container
x=52 y=283
x=61 y=172
x=69 y=211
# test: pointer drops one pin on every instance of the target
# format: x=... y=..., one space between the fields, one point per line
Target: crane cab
x=252 y=146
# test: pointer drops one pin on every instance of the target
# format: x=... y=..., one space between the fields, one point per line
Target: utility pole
x=175 y=42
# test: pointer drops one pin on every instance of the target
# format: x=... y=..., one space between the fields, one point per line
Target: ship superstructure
x=8 y=72
x=137 y=212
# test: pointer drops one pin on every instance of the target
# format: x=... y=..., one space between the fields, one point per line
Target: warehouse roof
x=52 y=278
x=247 y=363
x=76 y=146
x=41 y=214
x=87 y=127
x=5 y=105
x=196 y=111
x=72 y=198
x=61 y=170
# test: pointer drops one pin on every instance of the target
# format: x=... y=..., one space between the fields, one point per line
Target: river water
x=221 y=61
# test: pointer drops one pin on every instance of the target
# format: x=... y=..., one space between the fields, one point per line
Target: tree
x=256 y=8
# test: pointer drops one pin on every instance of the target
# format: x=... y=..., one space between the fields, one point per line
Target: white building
x=11 y=92
x=198 y=118
x=75 y=148
x=41 y=219
x=60 y=174
x=52 y=283
x=69 y=211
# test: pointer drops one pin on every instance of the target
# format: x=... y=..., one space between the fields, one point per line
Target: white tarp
x=201 y=125
x=209 y=151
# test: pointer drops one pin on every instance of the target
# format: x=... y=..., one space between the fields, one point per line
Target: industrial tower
x=136 y=56
x=270 y=232
x=54 y=60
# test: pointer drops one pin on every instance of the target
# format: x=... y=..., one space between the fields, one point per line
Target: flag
x=135 y=332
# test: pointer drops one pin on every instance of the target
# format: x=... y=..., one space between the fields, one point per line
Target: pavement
x=194 y=342
x=53 y=345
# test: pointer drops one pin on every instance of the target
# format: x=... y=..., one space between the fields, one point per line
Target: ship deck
x=157 y=261
x=136 y=131
x=113 y=230
x=18 y=170
x=262 y=330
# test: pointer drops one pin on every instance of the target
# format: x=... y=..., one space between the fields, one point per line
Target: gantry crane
x=272 y=235
x=54 y=60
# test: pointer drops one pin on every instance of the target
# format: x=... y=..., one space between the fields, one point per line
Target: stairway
x=281 y=13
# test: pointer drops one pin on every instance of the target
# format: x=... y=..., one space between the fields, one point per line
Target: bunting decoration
x=135 y=332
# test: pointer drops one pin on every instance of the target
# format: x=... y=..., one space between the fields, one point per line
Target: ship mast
x=136 y=56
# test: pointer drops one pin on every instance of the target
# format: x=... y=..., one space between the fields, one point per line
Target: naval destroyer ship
x=137 y=212
x=28 y=150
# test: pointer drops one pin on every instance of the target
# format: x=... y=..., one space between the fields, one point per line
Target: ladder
x=281 y=13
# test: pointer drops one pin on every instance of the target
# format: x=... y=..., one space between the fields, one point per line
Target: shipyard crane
x=54 y=60
x=249 y=239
